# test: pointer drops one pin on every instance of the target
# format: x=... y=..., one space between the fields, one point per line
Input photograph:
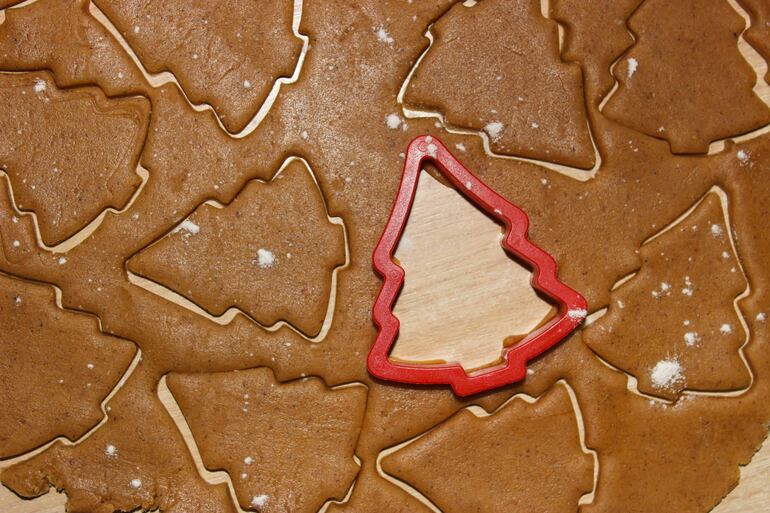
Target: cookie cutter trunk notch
x=571 y=305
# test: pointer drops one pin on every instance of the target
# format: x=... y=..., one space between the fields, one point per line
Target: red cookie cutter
x=572 y=306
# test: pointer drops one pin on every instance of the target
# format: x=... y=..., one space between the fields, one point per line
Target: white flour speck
x=136 y=29
x=460 y=146
x=62 y=260
x=468 y=185
x=761 y=316
x=111 y=451
x=304 y=135
x=687 y=290
x=383 y=36
x=39 y=86
x=259 y=501
x=90 y=366
x=666 y=373
x=16 y=244
x=432 y=148
x=247 y=84
x=691 y=338
x=535 y=125
x=743 y=156
x=136 y=484
x=633 y=64
x=716 y=230
x=265 y=258
x=620 y=304
x=248 y=460
x=187 y=226
x=393 y=121
x=725 y=329
x=577 y=313
x=494 y=129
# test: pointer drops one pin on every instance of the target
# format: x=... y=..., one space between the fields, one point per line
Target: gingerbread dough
x=527 y=101
x=685 y=80
x=489 y=463
x=758 y=34
x=56 y=368
x=267 y=269
x=87 y=140
x=336 y=116
x=59 y=43
x=595 y=34
x=287 y=446
x=684 y=294
x=216 y=57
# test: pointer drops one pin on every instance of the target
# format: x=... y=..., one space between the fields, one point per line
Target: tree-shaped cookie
x=287 y=446
x=524 y=457
x=685 y=79
x=92 y=146
x=55 y=367
x=495 y=67
x=227 y=55
x=684 y=292
x=280 y=246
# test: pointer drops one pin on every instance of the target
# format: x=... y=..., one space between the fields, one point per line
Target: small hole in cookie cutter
x=515 y=350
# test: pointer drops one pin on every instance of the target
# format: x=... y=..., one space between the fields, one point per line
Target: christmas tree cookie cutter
x=571 y=305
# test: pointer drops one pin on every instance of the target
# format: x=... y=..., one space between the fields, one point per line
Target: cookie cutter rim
x=572 y=305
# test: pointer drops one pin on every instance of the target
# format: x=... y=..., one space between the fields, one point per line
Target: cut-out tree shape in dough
x=70 y=154
x=55 y=35
x=758 y=34
x=226 y=54
x=270 y=252
x=287 y=446
x=595 y=34
x=527 y=100
x=685 y=79
x=136 y=461
x=684 y=294
x=55 y=368
x=446 y=313
x=524 y=457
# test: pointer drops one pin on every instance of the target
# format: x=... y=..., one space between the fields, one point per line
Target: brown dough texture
x=266 y=269
x=59 y=45
x=684 y=294
x=526 y=100
x=55 y=368
x=481 y=464
x=125 y=464
x=75 y=148
x=595 y=33
x=758 y=34
x=287 y=446
x=217 y=57
x=681 y=454
x=685 y=80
